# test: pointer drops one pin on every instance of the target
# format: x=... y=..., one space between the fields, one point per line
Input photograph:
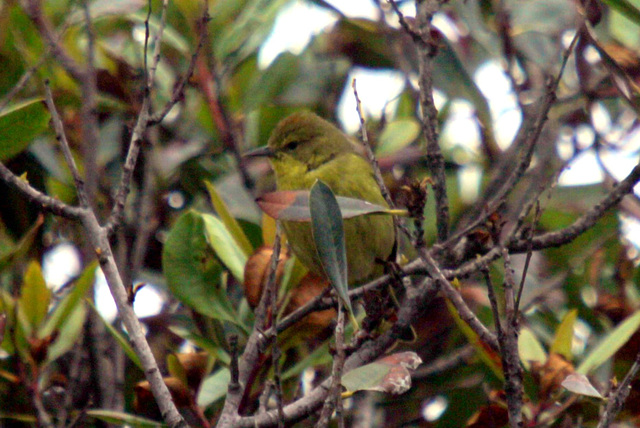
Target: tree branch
x=425 y=9
x=117 y=213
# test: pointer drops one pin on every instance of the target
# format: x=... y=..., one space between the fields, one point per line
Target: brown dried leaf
x=144 y=402
x=549 y=376
x=491 y=416
x=314 y=324
x=256 y=273
x=196 y=366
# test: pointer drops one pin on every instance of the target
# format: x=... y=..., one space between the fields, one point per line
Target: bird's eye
x=292 y=145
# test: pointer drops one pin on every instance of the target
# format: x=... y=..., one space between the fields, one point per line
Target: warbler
x=304 y=148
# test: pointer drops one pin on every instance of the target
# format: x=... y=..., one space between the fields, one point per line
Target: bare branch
x=229 y=134
x=425 y=10
x=21 y=83
x=250 y=357
x=117 y=213
x=586 y=221
x=33 y=8
x=88 y=111
x=66 y=150
x=367 y=147
x=44 y=202
x=616 y=400
x=334 y=395
x=415 y=300
x=508 y=340
x=178 y=91
x=99 y=241
x=527 y=138
x=455 y=298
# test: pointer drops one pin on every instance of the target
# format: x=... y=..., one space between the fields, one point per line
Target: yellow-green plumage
x=304 y=147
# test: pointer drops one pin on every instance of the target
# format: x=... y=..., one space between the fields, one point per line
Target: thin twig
x=64 y=144
x=377 y=174
x=248 y=363
x=508 y=339
x=272 y=303
x=367 y=147
x=74 y=372
x=435 y=160
x=585 y=222
x=33 y=8
x=88 y=111
x=178 y=91
x=44 y=419
x=528 y=138
x=21 y=83
x=336 y=372
x=231 y=138
x=445 y=363
x=527 y=261
x=416 y=298
x=492 y=300
x=147 y=222
x=416 y=36
x=455 y=298
x=616 y=402
x=46 y=203
x=117 y=213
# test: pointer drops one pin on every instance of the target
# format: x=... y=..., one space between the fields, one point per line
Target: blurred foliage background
x=191 y=223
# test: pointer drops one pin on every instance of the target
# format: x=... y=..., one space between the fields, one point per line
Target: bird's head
x=304 y=138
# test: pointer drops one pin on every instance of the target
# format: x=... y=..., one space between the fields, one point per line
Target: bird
x=304 y=148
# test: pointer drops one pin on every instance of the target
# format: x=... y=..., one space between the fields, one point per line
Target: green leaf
x=19 y=125
x=388 y=374
x=176 y=369
x=225 y=247
x=293 y=205
x=68 y=304
x=328 y=234
x=626 y=8
x=228 y=220
x=273 y=81
x=484 y=352
x=214 y=387
x=320 y=356
x=452 y=77
x=120 y=338
x=70 y=332
x=611 y=343
x=122 y=419
x=7 y=308
x=397 y=135
x=33 y=304
x=564 y=335
x=193 y=271
x=206 y=343
x=20 y=249
x=27 y=418
x=530 y=349
x=249 y=30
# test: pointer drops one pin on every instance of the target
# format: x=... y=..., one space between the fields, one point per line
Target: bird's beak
x=264 y=151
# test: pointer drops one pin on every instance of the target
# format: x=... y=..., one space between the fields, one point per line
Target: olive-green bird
x=303 y=148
